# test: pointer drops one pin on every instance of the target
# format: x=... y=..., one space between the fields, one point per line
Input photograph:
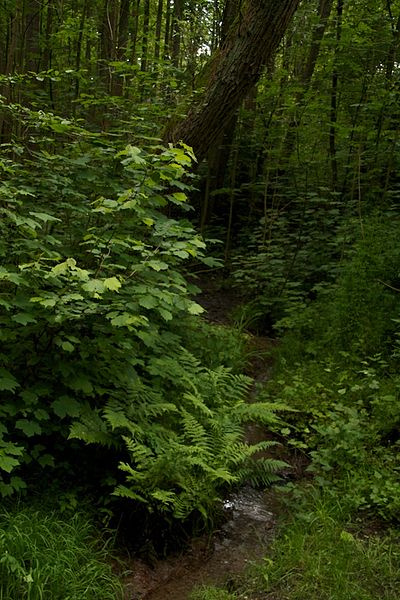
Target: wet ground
x=243 y=538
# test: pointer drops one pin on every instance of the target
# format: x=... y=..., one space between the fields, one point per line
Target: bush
x=94 y=310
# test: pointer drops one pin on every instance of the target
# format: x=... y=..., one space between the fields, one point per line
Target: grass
x=211 y=593
x=321 y=555
x=46 y=557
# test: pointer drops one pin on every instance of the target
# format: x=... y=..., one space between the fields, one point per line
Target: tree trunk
x=157 y=44
x=176 y=32
x=305 y=77
x=334 y=95
x=237 y=67
x=167 y=30
x=145 y=38
x=121 y=52
x=135 y=29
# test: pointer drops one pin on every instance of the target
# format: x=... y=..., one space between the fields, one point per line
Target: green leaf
x=8 y=463
x=166 y=315
x=195 y=309
x=148 y=301
x=23 y=318
x=80 y=383
x=112 y=283
x=7 y=381
x=66 y=406
x=30 y=428
x=63 y=267
x=178 y=196
x=44 y=217
x=94 y=286
x=157 y=265
x=125 y=319
x=133 y=155
x=46 y=460
x=67 y=346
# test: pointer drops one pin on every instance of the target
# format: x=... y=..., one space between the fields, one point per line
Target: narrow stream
x=251 y=515
x=243 y=538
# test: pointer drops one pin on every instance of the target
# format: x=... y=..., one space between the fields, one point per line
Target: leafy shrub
x=337 y=368
x=287 y=256
x=93 y=312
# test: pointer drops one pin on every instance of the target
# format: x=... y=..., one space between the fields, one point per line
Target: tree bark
x=250 y=43
x=334 y=98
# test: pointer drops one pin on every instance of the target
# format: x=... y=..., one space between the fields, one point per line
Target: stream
x=250 y=515
x=243 y=538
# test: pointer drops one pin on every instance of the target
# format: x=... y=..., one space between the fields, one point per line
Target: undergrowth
x=320 y=553
x=44 y=555
x=337 y=369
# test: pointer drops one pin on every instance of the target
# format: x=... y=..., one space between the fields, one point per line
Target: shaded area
x=243 y=538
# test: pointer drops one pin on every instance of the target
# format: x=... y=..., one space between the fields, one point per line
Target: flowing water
x=242 y=539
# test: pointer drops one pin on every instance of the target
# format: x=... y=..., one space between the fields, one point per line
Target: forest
x=199 y=238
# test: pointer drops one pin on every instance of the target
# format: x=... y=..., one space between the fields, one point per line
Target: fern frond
x=195 y=400
x=123 y=491
x=263 y=471
x=194 y=431
x=91 y=429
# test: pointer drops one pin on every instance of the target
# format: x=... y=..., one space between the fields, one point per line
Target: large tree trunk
x=237 y=67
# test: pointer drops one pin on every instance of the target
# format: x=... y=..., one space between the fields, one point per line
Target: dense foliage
x=45 y=556
x=94 y=308
x=109 y=376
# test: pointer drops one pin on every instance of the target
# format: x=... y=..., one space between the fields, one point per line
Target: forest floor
x=265 y=547
x=249 y=517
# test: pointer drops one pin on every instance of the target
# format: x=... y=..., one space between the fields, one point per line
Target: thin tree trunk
x=167 y=30
x=305 y=77
x=121 y=51
x=79 y=50
x=145 y=38
x=157 y=45
x=334 y=95
x=135 y=29
x=176 y=32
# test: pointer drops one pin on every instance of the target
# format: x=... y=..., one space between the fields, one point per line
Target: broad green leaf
x=80 y=383
x=126 y=319
x=67 y=346
x=179 y=197
x=8 y=463
x=11 y=276
x=157 y=265
x=45 y=217
x=30 y=428
x=166 y=315
x=112 y=283
x=23 y=318
x=46 y=460
x=195 y=309
x=133 y=155
x=66 y=406
x=94 y=286
x=7 y=381
x=148 y=301
x=64 y=267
